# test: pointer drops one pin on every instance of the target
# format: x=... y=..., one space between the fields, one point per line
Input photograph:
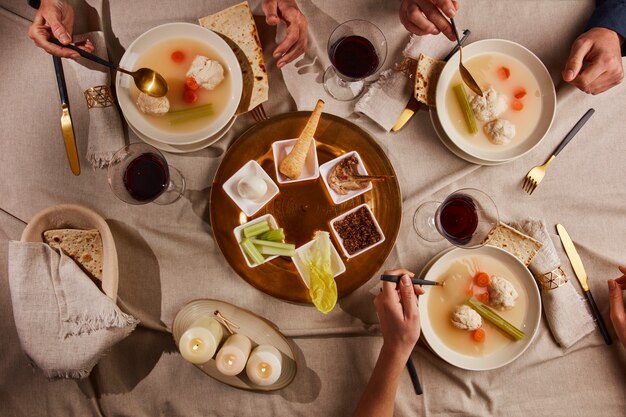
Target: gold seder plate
x=304 y=207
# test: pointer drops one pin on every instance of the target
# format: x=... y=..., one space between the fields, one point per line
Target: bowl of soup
x=440 y=305
x=517 y=107
x=194 y=111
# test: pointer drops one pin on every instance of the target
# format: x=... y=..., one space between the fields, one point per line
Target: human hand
x=424 y=17
x=296 y=40
x=595 y=61
x=55 y=18
x=398 y=313
x=616 y=298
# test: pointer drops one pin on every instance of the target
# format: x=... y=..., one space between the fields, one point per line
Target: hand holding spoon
x=465 y=74
x=146 y=80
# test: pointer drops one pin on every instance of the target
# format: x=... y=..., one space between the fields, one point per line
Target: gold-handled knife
x=66 y=118
x=581 y=274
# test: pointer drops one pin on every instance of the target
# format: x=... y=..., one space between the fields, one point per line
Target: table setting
x=234 y=219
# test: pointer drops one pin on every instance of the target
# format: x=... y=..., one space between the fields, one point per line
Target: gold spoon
x=465 y=74
x=146 y=80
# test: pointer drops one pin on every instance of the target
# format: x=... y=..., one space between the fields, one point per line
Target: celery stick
x=256 y=229
x=187 y=115
x=495 y=319
x=276 y=235
x=200 y=109
x=269 y=250
x=468 y=113
x=271 y=244
x=252 y=252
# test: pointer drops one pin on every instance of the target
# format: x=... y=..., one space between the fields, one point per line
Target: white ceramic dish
x=452 y=147
x=72 y=216
x=328 y=166
x=531 y=320
x=239 y=236
x=340 y=240
x=160 y=34
x=546 y=86
x=336 y=264
x=184 y=148
x=250 y=207
x=311 y=169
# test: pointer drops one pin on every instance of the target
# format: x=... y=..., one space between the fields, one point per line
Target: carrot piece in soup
x=479 y=335
x=504 y=73
x=517 y=105
x=483 y=297
x=190 y=97
x=481 y=279
x=519 y=92
x=191 y=84
x=178 y=56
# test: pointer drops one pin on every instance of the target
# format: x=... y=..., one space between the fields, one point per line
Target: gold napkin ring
x=553 y=279
x=99 y=96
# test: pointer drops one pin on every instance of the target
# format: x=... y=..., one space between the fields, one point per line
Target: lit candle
x=265 y=365
x=232 y=357
x=199 y=342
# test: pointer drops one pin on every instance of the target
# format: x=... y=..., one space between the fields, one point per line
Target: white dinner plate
x=530 y=323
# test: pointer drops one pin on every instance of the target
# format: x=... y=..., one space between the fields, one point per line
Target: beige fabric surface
x=168 y=257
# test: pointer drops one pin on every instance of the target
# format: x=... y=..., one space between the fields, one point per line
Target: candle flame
x=196 y=344
x=264 y=369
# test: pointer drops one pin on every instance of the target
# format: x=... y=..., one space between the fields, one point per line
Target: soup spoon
x=146 y=80
x=465 y=74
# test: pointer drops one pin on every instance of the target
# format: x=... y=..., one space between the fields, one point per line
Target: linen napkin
x=385 y=99
x=63 y=321
x=105 y=129
x=565 y=310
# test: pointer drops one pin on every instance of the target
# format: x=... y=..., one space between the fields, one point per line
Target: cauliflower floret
x=465 y=318
x=502 y=294
x=157 y=106
x=499 y=131
x=489 y=106
x=207 y=73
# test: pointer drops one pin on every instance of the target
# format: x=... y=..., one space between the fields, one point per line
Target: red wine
x=458 y=218
x=146 y=177
x=354 y=56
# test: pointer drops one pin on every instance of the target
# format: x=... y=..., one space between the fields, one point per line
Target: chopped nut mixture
x=357 y=230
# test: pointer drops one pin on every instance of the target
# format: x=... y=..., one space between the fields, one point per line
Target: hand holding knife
x=581 y=274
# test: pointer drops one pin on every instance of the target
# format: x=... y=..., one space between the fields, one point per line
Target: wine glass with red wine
x=139 y=174
x=357 y=49
x=464 y=218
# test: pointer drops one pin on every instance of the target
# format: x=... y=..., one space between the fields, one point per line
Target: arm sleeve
x=610 y=14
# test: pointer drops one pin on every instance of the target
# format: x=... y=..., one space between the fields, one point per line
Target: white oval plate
x=155 y=36
x=536 y=67
x=511 y=351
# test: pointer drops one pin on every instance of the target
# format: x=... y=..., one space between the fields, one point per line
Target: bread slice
x=426 y=77
x=522 y=246
x=83 y=246
x=237 y=24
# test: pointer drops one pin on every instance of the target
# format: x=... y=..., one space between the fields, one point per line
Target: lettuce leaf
x=322 y=286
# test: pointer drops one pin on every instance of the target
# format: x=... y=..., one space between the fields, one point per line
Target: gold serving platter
x=304 y=207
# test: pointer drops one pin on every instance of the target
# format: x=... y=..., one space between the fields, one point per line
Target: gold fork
x=258 y=113
x=535 y=175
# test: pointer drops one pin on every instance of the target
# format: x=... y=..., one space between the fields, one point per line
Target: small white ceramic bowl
x=158 y=35
x=311 y=168
x=239 y=236
x=250 y=207
x=336 y=264
x=546 y=86
x=328 y=166
x=340 y=240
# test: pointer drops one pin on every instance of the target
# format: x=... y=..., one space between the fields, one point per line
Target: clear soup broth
x=485 y=70
x=159 y=58
x=442 y=301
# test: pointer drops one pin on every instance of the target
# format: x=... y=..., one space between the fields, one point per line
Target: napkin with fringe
x=64 y=323
x=106 y=135
x=385 y=99
x=565 y=309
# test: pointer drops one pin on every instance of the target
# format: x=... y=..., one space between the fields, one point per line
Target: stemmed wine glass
x=357 y=49
x=464 y=218
x=139 y=174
